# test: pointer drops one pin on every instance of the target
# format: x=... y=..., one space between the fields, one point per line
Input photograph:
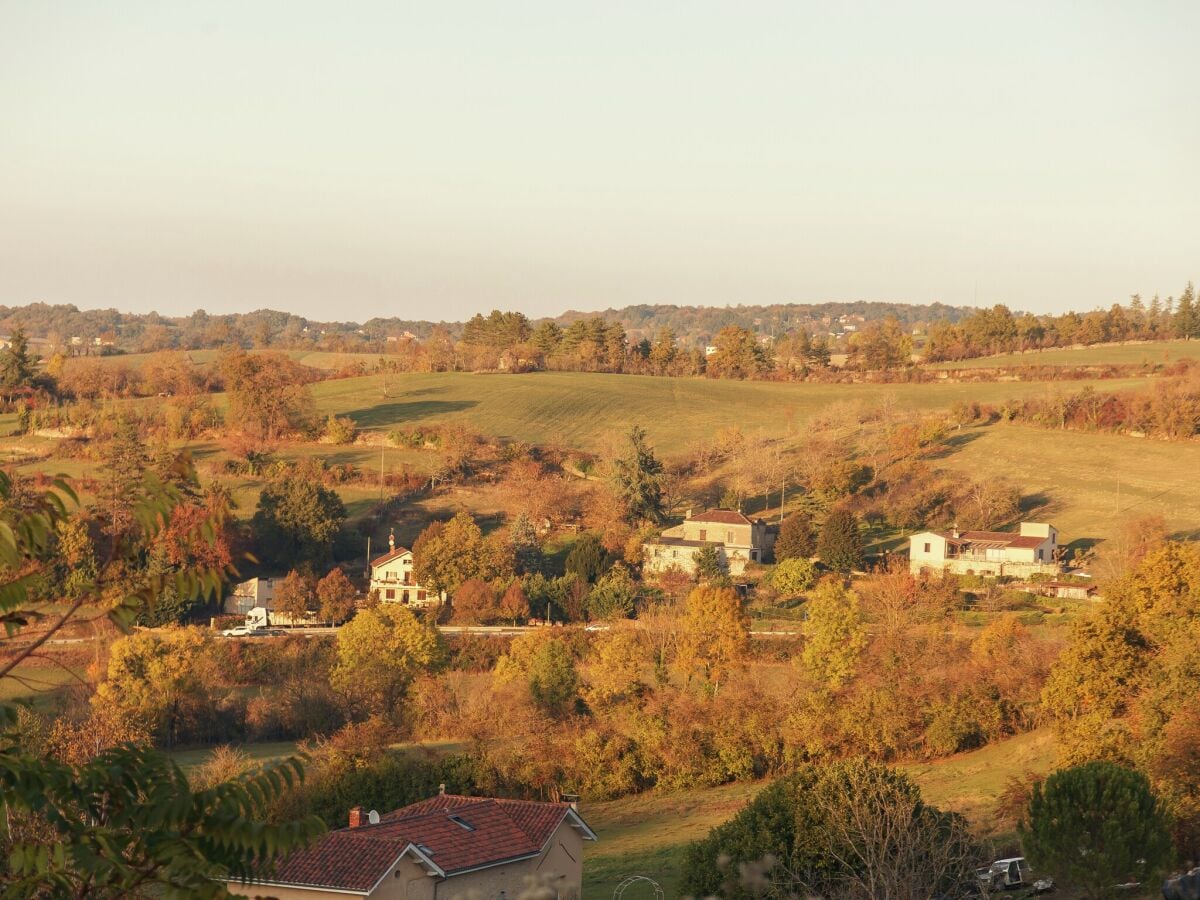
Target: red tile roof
x=389 y=556
x=1006 y=538
x=454 y=833
x=723 y=516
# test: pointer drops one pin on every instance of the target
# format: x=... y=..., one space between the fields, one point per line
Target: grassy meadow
x=1087 y=484
x=1140 y=353
x=648 y=834
x=586 y=411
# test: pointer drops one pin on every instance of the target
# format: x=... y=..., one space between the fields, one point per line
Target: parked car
x=1013 y=874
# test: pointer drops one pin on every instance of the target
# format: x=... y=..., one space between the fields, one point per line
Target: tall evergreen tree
x=639 y=476
x=1096 y=826
x=841 y=546
x=17 y=366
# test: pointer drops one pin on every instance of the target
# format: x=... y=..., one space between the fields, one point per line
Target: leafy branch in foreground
x=124 y=823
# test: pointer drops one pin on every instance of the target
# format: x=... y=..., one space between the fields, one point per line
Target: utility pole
x=382 y=448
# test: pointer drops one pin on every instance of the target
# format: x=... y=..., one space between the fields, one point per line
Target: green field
x=1087 y=484
x=1148 y=353
x=319 y=359
x=585 y=411
x=647 y=834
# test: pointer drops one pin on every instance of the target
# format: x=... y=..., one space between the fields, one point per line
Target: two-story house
x=738 y=540
x=392 y=576
x=1033 y=550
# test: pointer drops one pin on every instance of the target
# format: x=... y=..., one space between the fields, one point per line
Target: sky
x=431 y=160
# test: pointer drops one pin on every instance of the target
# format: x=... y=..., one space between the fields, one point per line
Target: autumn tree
x=1097 y=826
x=638 y=477
x=738 y=354
x=446 y=555
x=614 y=671
x=834 y=635
x=793 y=576
x=379 y=654
x=514 y=604
x=164 y=680
x=336 y=597
x=841 y=546
x=715 y=633
x=268 y=394
x=475 y=602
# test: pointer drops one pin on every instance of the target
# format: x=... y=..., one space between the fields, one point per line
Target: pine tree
x=841 y=546
x=1096 y=826
x=17 y=367
x=796 y=538
x=639 y=476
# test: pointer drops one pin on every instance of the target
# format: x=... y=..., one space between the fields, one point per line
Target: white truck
x=258 y=622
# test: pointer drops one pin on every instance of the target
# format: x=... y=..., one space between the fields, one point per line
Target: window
x=421 y=596
x=406 y=596
x=729 y=537
x=389 y=594
x=754 y=555
x=462 y=823
x=703 y=534
x=927 y=547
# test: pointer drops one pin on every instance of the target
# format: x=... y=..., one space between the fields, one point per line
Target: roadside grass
x=648 y=834
x=1140 y=353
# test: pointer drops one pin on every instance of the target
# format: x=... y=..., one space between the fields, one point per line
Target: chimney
x=954 y=531
x=358 y=817
x=572 y=800
x=392 y=540
x=441 y=789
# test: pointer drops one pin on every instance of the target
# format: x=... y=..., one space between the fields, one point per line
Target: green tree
x=708 y=564
x=1096 y=826
x=128 y=824
x=853 y=829
x=841 y=546
x=796 y=538
x=588 y=559
x=336 y=596
x=525 y=547
x=614 y=596
x=17 y=365
x=835 y=635
x=122 y=468
x=553 y=681
x=297 y=521
x=639 y=477
x=1187 y=317
x=379 y=653
x=794 y=576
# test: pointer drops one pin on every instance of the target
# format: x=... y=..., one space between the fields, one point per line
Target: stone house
x=392 y=576
x=438 y=849
x=1032 y=550
x=738 y=540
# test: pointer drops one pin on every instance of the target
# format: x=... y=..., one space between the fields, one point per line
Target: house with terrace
x=393 y=580
x=738 y=540
x=1031 y=550
x=444 y=847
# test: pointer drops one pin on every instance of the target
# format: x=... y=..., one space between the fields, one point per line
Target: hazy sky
x=428 y=160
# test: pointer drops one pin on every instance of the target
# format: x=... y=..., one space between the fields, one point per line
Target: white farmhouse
x=1033 y=550
x=392 y=576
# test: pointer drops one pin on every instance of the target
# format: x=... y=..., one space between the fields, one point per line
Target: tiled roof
x=723 y=516
x=455 y=833
x=389 y=556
